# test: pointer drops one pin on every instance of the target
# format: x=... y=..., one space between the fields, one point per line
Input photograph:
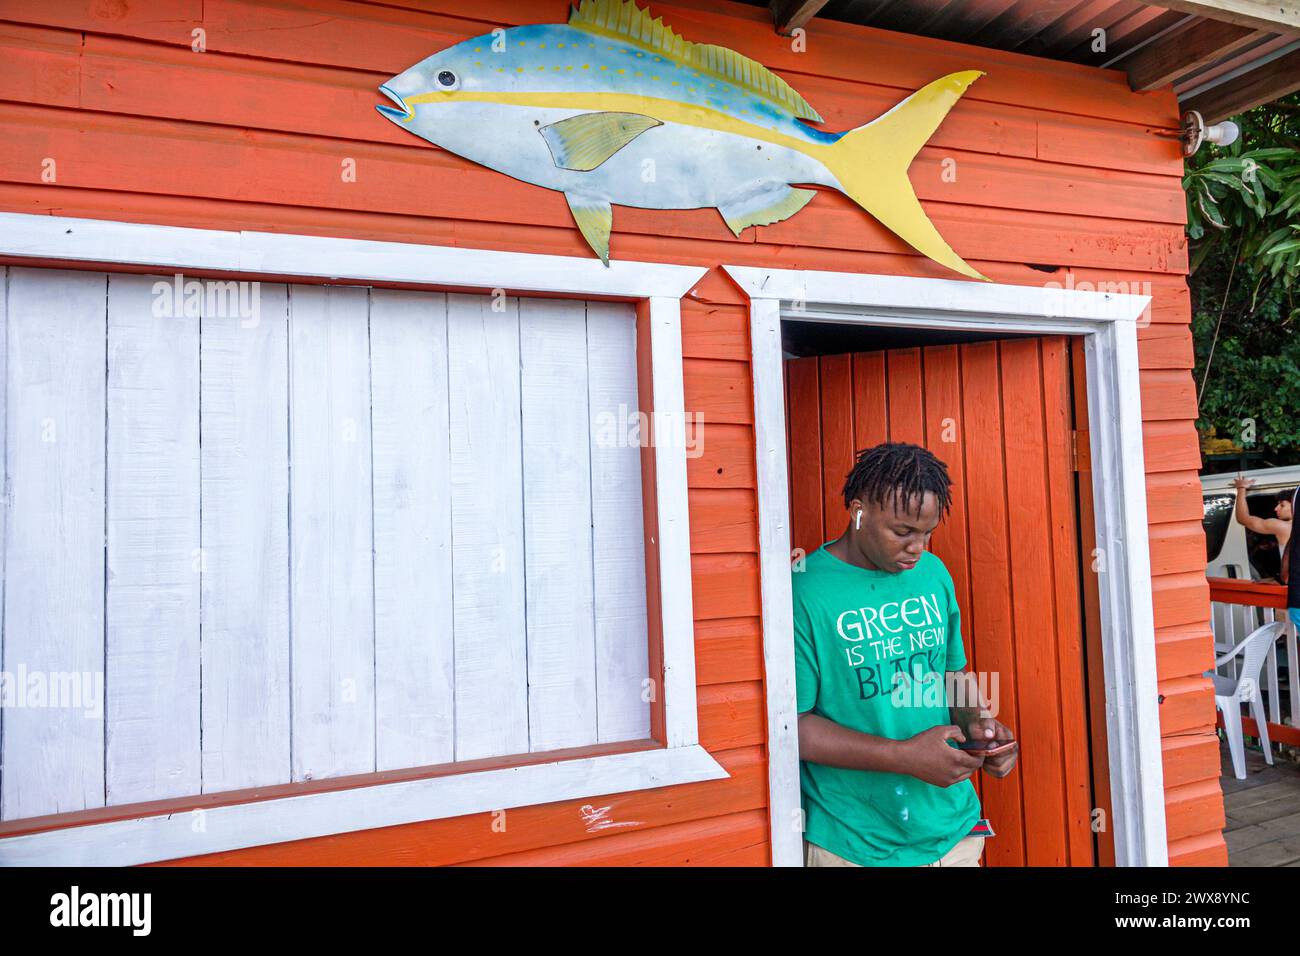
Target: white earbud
x=857 y=522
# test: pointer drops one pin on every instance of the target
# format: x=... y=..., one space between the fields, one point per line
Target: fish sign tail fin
x=871 y=164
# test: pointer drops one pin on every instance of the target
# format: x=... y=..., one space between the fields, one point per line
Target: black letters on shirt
x=918 y=667
x=868 y=683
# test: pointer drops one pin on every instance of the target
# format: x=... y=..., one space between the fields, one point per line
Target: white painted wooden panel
x=54 y=568
x=557 y=524
x=333 y=649
x=618 y=535
x=245 y=615
x=414 y=668
x=71 y=383
x=152 y=601
x=487 y=527
x=362 y=530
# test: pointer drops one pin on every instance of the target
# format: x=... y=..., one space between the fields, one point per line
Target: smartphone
x=986 y=748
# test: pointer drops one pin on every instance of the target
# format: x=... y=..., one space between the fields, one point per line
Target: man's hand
x=986 y=728
x=1241 y=483
x=928 y=757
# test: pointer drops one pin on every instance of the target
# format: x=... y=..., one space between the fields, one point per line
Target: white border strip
x=677 y=605
x=238 y=826
x=1127 y=614
x=1108 y=323
x=110 y=243
x=106 y=244
x=953 y=299
x=784 y=806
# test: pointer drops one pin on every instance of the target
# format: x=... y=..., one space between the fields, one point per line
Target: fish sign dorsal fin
x=584 y=142
x=626 y=21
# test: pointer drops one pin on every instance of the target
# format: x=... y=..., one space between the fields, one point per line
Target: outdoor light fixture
x=1195 y=132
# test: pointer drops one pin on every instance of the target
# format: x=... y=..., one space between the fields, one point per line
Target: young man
x=1279 y=526
x=877 y=648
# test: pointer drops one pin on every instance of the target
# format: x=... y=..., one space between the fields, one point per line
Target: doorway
x=1102 y=328
x=1000 y=412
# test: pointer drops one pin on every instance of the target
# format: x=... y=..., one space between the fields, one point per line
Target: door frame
x=1107 y=322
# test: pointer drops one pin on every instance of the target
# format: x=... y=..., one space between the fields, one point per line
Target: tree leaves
x=1256 y=190
x=1243 y=221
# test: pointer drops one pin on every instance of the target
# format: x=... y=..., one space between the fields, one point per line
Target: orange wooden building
x=149 y=141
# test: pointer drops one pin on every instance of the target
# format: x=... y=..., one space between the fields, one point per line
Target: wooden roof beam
x=789 y=15
x=1275 y=16
x=1200 y=44
x=1262 y=85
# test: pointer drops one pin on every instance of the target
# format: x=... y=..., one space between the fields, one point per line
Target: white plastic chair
x=1231 y=692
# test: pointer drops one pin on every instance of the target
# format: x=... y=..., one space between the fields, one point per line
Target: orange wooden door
x=1001 y=415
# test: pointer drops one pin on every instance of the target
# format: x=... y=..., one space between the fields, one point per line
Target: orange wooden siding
x=1058 y=179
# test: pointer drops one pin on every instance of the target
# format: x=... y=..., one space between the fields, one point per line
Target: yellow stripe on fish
x=666 y=111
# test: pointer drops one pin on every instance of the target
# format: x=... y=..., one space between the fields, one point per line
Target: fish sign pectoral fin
x=774 y=202
x=594 y=218
x=584 y=142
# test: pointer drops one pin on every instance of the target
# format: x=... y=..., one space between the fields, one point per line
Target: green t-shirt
x=854 y=630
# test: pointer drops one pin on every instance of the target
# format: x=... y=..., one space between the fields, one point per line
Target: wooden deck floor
x=1263 y=811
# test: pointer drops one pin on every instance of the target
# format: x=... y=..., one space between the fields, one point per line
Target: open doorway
x=1091 y=341
x=1000 y=411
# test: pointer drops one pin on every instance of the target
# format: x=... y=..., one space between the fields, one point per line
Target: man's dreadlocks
x=901 y=471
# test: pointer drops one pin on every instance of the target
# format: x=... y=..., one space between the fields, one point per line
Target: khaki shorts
x=966 y=853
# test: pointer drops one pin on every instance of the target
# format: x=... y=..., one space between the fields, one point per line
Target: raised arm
x=1244 y=517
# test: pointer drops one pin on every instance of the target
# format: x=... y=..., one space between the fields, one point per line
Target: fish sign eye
x=447 y=80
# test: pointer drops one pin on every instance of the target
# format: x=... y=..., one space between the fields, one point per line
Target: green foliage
x=1243 y=220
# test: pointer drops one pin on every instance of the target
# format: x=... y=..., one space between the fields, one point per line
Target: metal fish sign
x=616 y=108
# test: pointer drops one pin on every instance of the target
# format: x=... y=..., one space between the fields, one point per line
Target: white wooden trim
x=1108 y=323
x=676 y=607
x=953 y=299
x=169 y=248
x=4 y=485
x=1120 y=504
x=112 y=243
x=784 y=809
x=236 y=826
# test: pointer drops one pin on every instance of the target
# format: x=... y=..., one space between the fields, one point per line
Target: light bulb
x=1223 y=134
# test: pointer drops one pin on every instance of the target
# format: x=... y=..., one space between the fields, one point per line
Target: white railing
x=1239 y=607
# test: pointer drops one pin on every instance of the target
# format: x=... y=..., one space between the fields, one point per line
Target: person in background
x=1278 y=526
x=1291 y=572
